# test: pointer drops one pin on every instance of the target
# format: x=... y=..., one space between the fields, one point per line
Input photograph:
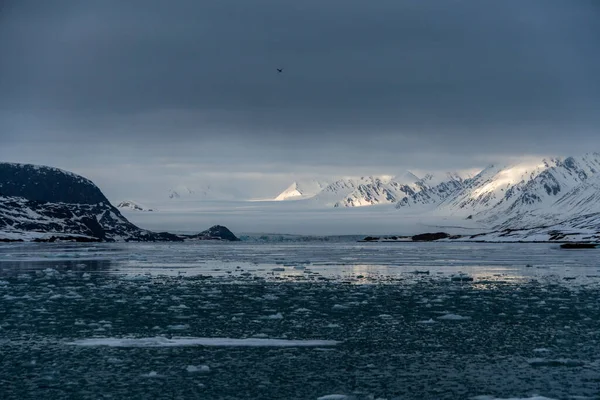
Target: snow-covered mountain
x=432 y=190
x=365 y=191
x=583 y=199
x=133 y=206
x=353 y=192
x=45 y=203
x=405 y=188
x=301 y=190
x=528 y=194
x=207 y=191
x=524 y=195
x=179 y=192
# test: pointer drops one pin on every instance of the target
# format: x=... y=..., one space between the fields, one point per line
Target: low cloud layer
x=367 y=87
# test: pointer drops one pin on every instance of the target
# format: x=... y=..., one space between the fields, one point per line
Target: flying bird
x=279 y=70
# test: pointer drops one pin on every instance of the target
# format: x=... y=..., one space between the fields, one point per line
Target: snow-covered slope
x=133 y=206
x=525 y=195
x=431 y=191
x=204 y=191
x=529 y=194
x=367 y=190
x=582 y=199
x=38 y=202
x=406 y=188
x=301 y=190
x=582 y=228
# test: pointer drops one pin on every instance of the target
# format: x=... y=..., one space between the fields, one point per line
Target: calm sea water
x=298 y=321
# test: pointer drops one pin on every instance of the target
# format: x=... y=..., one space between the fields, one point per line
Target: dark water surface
x=139 y=321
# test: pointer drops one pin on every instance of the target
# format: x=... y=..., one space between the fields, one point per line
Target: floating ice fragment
x=160 y=341
x=178 y=327
x=50 y=271
x=453 y=317
x=534 y=397
x=429 y=321
x=541 y=350
x=274 y=316
x=200 y=368
x=333 y=397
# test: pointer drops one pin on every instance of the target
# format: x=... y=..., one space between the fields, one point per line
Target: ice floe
x=453 y=317
x=197 y=368
x=511 y=398
x=160 y=341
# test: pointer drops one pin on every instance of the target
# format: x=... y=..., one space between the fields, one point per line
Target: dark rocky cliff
x=38 y=200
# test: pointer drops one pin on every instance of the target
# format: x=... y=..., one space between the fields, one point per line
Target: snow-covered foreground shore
x=302 y=321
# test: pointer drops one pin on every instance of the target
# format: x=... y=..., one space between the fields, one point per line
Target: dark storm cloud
x=396 y=78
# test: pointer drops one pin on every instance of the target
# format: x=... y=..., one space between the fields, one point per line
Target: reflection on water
x=374 y=261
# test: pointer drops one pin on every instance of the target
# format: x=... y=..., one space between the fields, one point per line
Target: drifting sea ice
x=191 y=341
x=512 y=398
x=514 y=310
x=453 y=317
x=197 y=368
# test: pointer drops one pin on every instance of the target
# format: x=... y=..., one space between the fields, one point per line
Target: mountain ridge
x=46 y=204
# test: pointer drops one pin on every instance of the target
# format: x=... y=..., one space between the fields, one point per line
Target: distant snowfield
x=293 y=217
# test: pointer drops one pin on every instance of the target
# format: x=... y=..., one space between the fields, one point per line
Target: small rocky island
x=45 y=204
x=423 y=237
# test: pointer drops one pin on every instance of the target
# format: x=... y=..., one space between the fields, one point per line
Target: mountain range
x=517 y=196
x=558 y=192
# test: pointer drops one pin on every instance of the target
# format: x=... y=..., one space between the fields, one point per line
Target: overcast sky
x=163 y=92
